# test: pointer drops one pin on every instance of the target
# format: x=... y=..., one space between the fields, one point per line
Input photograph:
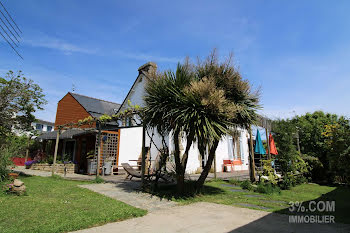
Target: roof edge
x=72 y=93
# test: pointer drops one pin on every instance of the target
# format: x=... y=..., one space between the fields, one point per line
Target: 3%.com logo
x=312 y=206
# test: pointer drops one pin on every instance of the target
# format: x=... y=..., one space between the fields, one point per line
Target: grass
x=58 y=205
x=215 y=192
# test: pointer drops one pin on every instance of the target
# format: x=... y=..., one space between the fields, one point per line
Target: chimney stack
x=148 y=68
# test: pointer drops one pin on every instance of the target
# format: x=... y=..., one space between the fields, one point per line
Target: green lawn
x=216 y=192
x=57 y=205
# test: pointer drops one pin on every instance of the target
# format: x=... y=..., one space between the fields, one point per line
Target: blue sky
x=296 y=51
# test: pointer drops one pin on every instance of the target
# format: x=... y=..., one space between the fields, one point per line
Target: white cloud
x=58 y=44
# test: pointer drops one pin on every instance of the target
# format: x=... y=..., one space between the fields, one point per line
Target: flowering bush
x=29 y=163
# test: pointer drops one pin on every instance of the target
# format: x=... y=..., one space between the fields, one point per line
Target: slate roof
x=44 y=122
x=70 y=133
x=96 y=107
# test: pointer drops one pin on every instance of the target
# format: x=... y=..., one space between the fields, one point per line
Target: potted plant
x=91 y=162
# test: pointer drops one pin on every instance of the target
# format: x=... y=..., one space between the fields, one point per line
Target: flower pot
x=107 y=165
x=92 y=165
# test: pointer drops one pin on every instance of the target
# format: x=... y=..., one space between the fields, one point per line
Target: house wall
x=222 y=153
x=45 y=127
x=137 y=93
x=130 y=145
x=69 y=110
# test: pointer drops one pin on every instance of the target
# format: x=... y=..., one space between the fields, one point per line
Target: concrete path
x=209 y=217
x=128 y=192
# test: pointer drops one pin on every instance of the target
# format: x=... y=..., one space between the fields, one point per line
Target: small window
x=129 y=121
x=39 y=127
x=49 y=128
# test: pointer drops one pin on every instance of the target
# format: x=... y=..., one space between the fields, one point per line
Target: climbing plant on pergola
x=132 y=112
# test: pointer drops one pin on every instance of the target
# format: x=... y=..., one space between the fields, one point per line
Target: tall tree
x=228 y=102
x=19 y=99
x=164 y=110
x=324 y=141
x=201 y=102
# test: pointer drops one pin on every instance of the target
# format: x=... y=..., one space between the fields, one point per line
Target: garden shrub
x=246 y=185
x=269 y=171
x=98 y=180
x=5 y=161
x=324 y=145
x=267 y=188
x=235 y=181
x=300 y=180
x=288 y=181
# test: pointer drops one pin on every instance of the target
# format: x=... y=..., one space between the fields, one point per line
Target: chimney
x=148 y=68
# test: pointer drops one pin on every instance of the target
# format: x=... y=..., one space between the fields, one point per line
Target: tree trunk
x=206 y=169
x=181 y=163
x=189 y=141
x=251 y=157
x=27 y=149
x=178 y=166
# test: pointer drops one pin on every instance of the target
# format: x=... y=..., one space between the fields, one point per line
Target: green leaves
x=324 y=139
x=19 y=99
x=203 y=101
x=209 y=99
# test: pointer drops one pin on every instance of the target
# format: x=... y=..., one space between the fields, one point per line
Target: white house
x=40 y=126
x=43 y=126
x=130 y=145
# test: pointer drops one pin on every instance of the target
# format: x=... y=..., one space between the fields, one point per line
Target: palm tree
x=203 y=102
x=165 y=111
x=229 y=101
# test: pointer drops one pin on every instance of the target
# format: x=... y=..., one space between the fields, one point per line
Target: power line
x=10 y=24
x=10 y=17
x=9 y=30
x=8 y=35
x=11 y=45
